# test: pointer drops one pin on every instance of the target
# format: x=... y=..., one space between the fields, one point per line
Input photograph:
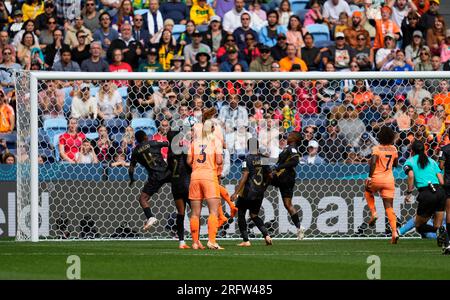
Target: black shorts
x=285 y=184
x=252 y=204
x=180 y=188
x=429 y=202
x=447 y=190
x=154 y=183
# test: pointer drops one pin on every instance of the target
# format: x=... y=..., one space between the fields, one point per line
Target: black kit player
x=148 y=154
x=444 y=164
x=283 y=177
x=250 y=192
x=180 y=177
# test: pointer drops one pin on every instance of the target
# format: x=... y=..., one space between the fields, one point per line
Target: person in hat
x=280 y=49
x=340 y=55
x=17 y=24
x=232 y=59
x=215 y=36
x=384 y=26
x=71 y=32
x=386 y=55
x=177 y=64
x=203 y=62
x=152 y=64
x=427 y=19
x=191 y=50
x=241 y=32
x=168 y=25
x=272 y=26
x=332 y=9
x=31 y=9
x=356 y=29
x=201 y=13
x=313 y=157
x=262 y=63
x=412 y=51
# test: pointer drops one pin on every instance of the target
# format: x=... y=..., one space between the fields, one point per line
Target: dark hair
x=24 y=26
x=297 y=136
x=308 y=34
x=386 y=136
x=102 y=14
x=299 y=21
x=7 y=155
x=273 y=12
x=418 y=148
x=140 y=136
x=25 y=34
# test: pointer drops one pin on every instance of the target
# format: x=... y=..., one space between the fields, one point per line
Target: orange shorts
x=204 y=189
x=384 y=187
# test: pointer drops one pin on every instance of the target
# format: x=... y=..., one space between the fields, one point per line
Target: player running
x=250 y=192
x=180 y=177
x=205 y=157
x=283 y=177
x=381 y=178
x=148 y=154
x=425 y=175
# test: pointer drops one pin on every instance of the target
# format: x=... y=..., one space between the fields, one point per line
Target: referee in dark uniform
x=444 y=164
x=424 y=174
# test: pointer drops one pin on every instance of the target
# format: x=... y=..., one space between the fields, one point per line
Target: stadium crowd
x=339 y=119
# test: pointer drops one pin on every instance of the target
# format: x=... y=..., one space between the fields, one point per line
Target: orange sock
x=195 y=228
x=221 y=216
x=224 y=194
x=370 y=202
x=212 y=228
x=392 y=219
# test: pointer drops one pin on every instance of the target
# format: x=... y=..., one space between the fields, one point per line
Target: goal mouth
x=336 y=112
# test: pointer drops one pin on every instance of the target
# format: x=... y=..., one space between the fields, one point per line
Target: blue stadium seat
x=48 y=153
x=55 y=126
x=301 y=14
x=92 y=135
x=115 y=125
x=321 y=35
x=177 y=30
x=314 y=120
x=123 y=91
x=141 y=11
x=88 y=125
x=94 y=90
x=67 y=100
x=146 y=124
x=327 y=107
x=298 y=4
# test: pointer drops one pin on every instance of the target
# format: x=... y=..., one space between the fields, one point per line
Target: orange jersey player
x=381 y=178
x=205 y=157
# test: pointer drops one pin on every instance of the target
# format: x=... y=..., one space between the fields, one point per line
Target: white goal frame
x=34 y=77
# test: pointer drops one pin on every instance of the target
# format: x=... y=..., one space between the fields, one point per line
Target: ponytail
x=419 y=149
x=207 y=131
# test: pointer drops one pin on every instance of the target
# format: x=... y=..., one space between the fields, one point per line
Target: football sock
x=448 y=232
x=180 y=227
x=296 y=220
x=220 y=214
x=260 y=224
x=392 y=219
x=424 y=228
x=370 y=202
x=242 y=223
x=212 y=228
x=195 y=224
x=148 y=212
x=407 y=227
x=224 y=194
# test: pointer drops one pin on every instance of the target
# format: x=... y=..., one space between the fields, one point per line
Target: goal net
x=76 y=133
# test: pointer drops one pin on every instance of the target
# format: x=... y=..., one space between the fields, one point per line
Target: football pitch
x=286 y=259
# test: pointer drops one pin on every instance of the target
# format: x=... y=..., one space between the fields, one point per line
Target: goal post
x=57 y=200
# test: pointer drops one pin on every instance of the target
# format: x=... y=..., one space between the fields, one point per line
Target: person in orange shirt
x=291 y=59
x=422 y=6
x=361 y=95
x=205 y=158
x=381 y=178
x=384 y=26
x=443 y=97
x=7 y=117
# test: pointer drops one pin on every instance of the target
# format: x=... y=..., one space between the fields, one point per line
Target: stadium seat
x=298 y=4
x=146 y=124
x=123 y=91
x=94 y=90
x=67 y=101
x=177 y=30
x=314 y=120
x=301 y=14
x=326 y=107
x=141 y=11
x=116 y=125
x=321 y=34
x=88 y=125
x=92 y=135
x=55 y=126
x=48 y=153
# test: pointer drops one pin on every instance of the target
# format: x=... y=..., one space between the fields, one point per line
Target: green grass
x=342 y=259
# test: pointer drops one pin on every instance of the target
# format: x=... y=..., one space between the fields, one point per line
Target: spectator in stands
x=233 y=115
x=9 y=66
x=139 y=32
x=120 y=161
x=400 y=9
x=118 y=65
x=425 y=60
x=175 y=10
x=191 y=50
x=436 y=35
x=86 y=155
x=215 y=36
x=355 y=30
x=103 y=146
x=140 y=99
x=385 y=26
x=70 y=142
x=313 y=157
x=202 y=64
x=28 y=26
x=445 y=48
x=105 y=34
x=412 y=50
x=410 y=26
x=284 y=12
x=3 y=148
x=427 y=19
x=311 y=54
x=67 y=10
x=125 y=14
x=262 y=63
x=166 y=49
x=279 y=50
x=400 y=65
x=161 y=136
x=110 y=6
x=334 y=145
x=186 y=37
x=362 y=95
x=132 y=50
x=314 y=14
x=41 y=20
x=331 y=11
x=82 y=51
x=251 y=51
x=9 y=159
x=71 y=32
x=232 y=59
x=364 y=55
x=222 y=51
x=95 y=63
x=307 y=101
x=351 y=126
x=257 y=10
x=154 y=18
x=201 y=13
x=167 y=25
x=128 y=143
x=46 y=35
x=177 y=64
x=309 y=134
x=109 y=102
x=295 y=33
x=231 y=19
x=241 y=32
x=91 y=16
x=340 y=54
x=426 y=114
x=386 y=55
x=160 y=96
x=16 y=25
x=32 y=8
x=52 y=52
x=291 y=58
x=152 y=64
x=66 y=64
x=442 y=96
x=436 y=124
x=51 y=101
x=372 y=114
x=84 y=106
x=268 y=34
x=342 y=24
x=417 y=94
x=7 y=116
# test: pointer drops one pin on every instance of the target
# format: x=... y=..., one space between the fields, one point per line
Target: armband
x=407 y=169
